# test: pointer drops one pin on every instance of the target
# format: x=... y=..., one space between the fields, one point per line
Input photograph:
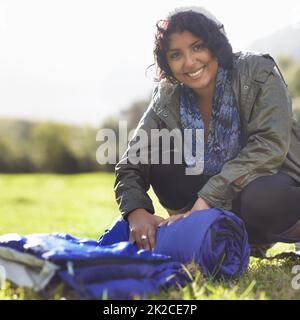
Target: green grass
x=84 y=206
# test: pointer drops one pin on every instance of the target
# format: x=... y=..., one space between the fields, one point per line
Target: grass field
x=83 y=205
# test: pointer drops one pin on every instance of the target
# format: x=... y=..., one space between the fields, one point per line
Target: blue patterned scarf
x=224 y=135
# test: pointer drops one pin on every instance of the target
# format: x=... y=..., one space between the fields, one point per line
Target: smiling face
x=192 y=63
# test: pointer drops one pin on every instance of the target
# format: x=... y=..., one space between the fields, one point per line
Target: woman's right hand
x=142 y=223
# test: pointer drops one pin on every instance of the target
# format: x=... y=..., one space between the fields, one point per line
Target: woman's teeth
x=196 y=74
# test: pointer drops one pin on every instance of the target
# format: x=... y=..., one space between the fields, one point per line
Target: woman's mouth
x=196 y=74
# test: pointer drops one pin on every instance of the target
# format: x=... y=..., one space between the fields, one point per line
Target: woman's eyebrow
x=192 y=44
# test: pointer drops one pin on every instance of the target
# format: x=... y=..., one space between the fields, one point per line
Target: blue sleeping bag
x=215 y=239
x=114 y=268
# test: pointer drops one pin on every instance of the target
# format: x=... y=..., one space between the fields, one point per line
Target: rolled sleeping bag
x=215 y=239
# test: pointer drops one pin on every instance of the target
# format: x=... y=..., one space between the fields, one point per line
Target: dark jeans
x=269 y=205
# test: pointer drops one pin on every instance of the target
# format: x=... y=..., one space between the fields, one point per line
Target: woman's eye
x=174 y=55
x=199 y=46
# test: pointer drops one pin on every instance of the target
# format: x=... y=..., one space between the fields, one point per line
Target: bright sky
x=80 y=61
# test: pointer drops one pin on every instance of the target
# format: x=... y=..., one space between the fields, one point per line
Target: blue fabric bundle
x=215 y=239
x=117 y=271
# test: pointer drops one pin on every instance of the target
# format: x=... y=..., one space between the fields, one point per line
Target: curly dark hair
x=200 y=26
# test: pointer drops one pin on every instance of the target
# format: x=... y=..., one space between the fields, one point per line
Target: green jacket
x=271 y=136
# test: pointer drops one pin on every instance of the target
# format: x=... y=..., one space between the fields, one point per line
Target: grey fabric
x=25 y=270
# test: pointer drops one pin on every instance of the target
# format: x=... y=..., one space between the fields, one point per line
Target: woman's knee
x=262 y=203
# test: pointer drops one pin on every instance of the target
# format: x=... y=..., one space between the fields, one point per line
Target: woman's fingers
x=139 y=241
x=187 y=213
x=171 y=220
x=152 y=239
x=163 y=222
x=143 y=239
x=131 y=237
x=175 y=219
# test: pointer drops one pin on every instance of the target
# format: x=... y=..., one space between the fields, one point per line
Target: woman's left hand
x=199 y=204
x=172 y=219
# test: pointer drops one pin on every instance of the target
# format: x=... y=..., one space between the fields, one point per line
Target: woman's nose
x=189 y=62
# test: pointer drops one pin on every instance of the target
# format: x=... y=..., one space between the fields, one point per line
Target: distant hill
x=285 y=41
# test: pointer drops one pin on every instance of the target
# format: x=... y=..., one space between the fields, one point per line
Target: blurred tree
x=295 y=82
x=12 y=159
x=51 y=152
x=285 y=62
x=296 y=108
x=6 y=156
x=291 y=71
x=47 y=147
x=83 y=145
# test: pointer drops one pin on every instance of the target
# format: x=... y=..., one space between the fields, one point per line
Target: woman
x=251 y=142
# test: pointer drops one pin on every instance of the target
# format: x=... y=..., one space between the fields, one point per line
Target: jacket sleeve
x=268 y=140
x=132 y=180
